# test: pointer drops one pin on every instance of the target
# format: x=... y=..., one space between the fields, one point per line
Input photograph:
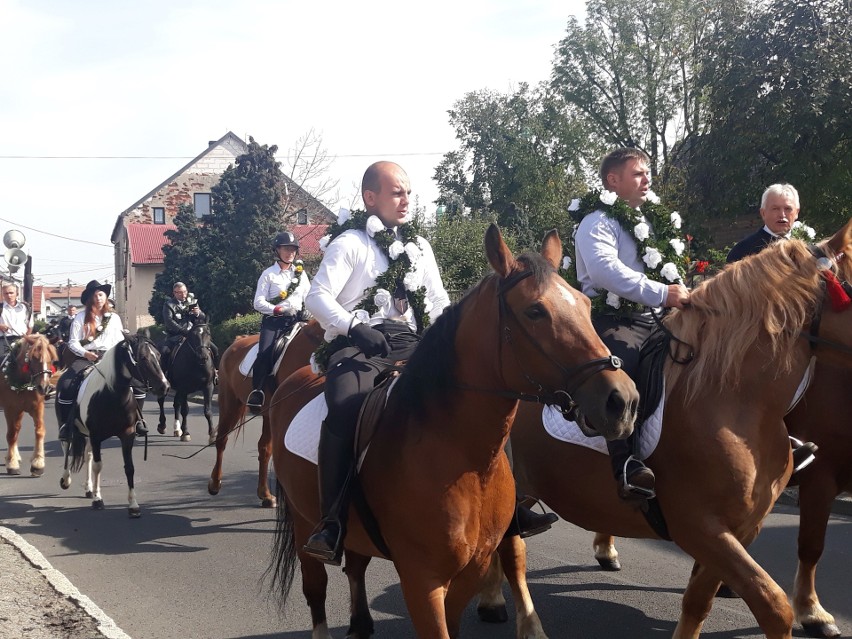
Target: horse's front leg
x=360 y=619
x=176 y=405
x=184 y=412
x=13 y=431
x=424 y=595
x=513 y=556
x=605 y=552
x=208 y=412
x=127 y=453
x=492 y=604
x=161 y=425
x=95 y=467
x=37 y=461
x=816 y=494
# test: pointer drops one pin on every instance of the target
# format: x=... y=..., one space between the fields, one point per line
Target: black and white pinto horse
x=191 y=370
x=107 y=408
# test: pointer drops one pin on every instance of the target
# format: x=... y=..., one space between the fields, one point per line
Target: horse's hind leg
x=816 y=494
x=264 y=453
x=314 y=579
x=129 y=471
x=360 y=620
x=208 y=413
x=161 y=425
x=184 y=412
x=176 y=406
x=513 y=556
x=96 y=465
x=605 y=552
x=230 y=412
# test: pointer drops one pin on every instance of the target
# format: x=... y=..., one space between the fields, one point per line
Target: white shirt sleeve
x=336 y=268
x=75 y=334
x=261 y=293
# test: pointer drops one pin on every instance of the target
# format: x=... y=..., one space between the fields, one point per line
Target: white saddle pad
x=560 y=428
x=251 y=355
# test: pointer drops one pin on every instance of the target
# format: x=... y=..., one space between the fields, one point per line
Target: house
x=56 y=300
x=139 y=231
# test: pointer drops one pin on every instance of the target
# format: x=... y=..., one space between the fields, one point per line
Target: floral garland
x=98 y=330
x=656 y=231
x=403 y=255
x=299 y=266
x=15 y=382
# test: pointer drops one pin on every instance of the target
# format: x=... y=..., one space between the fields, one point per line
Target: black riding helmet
x=285 y=238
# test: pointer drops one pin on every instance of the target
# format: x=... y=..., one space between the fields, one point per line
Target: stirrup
x=632 y=489
x=804 y=447
x=318 y=546
x=141 y=427
x=255 y=404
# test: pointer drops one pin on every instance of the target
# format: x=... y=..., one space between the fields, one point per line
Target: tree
x=307 y=165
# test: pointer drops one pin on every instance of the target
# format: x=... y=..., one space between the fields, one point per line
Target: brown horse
x=24 y=382
x=234 y=389
x=723 y=456
x=436 y=478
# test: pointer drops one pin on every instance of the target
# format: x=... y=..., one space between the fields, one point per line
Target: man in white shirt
x=608 y=260
x=16 y=318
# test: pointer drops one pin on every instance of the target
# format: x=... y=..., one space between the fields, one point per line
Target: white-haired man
x=779 y=209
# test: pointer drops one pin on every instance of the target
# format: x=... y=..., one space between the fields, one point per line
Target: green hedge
x=223 y=334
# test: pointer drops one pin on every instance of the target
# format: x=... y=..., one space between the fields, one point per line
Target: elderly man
x=779 y=209
x=180 y=313
x=16 y=318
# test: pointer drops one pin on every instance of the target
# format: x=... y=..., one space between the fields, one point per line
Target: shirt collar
x=786 y=236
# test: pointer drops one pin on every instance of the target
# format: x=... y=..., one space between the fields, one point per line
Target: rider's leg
x=526 y=521
x=66 y=399
x=262 y=365
x=139 y=394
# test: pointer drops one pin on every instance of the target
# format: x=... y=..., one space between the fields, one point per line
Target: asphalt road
x=192 y=566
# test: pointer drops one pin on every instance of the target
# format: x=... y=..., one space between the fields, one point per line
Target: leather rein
x=828 y=270
x=574 y=377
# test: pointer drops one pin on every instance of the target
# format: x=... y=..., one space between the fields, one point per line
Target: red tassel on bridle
x=840 y=301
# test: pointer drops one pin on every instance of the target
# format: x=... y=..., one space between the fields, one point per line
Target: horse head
x=142 y=361
x=35 y=363
x=549 y=348
x=198 y=340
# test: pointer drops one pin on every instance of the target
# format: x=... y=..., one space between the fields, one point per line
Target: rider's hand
x=369 y=340
x=677 y=297
x=91 y=356
x=278 y=310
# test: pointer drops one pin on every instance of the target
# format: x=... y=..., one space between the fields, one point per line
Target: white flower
x=652 y=257
x=374 y=225
x=811 y=233
x=315 y=369
x=323 y=242
x=382 y=298
x=669 y=271
x=678 y=245
x=613 y=300
x=411 y=281
x=675 y=219
x=652 y=197
x=362 y=316
x=414 y=252
x=608 y=197
x=343 y=216
x=396 y=249
x=566 y=263
x=642 y=231
x=575 y=204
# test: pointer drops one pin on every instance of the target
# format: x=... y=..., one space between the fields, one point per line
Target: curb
x=842 y=504
x=60 y=583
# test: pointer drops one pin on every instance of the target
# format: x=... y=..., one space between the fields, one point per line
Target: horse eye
x=536 y=311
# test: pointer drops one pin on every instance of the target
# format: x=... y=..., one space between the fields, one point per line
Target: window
x=302 y=216
x=159 y=215
x=202 y=204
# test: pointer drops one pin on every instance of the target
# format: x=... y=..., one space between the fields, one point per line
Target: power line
x=62 y=237
x=190 y=157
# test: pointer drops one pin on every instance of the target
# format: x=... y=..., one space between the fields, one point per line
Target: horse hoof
x=268 y=502
x=609 y=565
x=98 y=504
x=725 y=592
x=186 y=438
x=134 y=513
x=821 y=629
x=64 y=484
x=89 y=494
x=178 y=433
x=161 y=429
x=13 y=471
x=214 y=487
x=211 y=440
x=36 y=472
x=493 y=614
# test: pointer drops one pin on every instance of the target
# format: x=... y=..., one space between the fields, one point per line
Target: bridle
x=839 y=291
x=136 y=373
x=202 y=356
x=26 y=368
x=574 y=377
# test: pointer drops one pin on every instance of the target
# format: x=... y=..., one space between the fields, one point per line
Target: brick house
x=139 y=232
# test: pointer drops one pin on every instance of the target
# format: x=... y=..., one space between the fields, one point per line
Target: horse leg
x=492 y=604
x=816 y=495
x=127 y=453
x=314 y=578
x=161 y=425
x=513 y=556
x=65 y=480
x=13 y=431
x=360 y=620
x=605 y=552
x=96 y=465
x=424 y=596
x=37 y=461
x=184 y=411
x=264 y=453
x=231 y=411
x=208 y=412
x=733 y=565
x=176 y=406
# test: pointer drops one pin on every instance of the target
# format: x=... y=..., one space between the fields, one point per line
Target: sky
x=100 y=101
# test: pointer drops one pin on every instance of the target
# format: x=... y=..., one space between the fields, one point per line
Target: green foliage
x=39 y=326
x=156 y=333
x=224 y=334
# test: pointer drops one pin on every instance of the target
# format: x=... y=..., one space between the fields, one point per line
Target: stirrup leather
x=639 y=491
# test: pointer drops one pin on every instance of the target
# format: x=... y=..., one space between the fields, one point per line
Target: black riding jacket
x=177 y=318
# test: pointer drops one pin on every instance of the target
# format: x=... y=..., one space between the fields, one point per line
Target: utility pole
x=68 y=292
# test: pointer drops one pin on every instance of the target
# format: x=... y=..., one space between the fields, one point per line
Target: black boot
x=141 y=428
x=66 y=431
x=803 y=453
x=336 y=462
x=255 y=401
x=636 y=482
x=527 y=522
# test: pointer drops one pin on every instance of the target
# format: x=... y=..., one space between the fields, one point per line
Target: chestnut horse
x=24 y=382
x=436 y=477
x=723 y=456
x=234 y=389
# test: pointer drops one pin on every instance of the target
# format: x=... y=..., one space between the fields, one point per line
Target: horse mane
x=430 y=372
x=772 y=293
x=37 y=344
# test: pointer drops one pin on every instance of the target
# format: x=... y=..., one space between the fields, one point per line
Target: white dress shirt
x=275 y=280
x=607 y=258
x=105 y=340
x=18 y=318
x=351 y=264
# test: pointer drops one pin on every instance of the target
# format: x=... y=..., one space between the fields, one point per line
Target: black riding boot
x=69 y=425
x=336 y=461
x=636 y=482
x=258 y=377
x=527 y=522
x=141 y=427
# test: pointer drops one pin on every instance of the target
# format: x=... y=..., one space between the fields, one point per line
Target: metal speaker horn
x=14 y=239
x=16 y=258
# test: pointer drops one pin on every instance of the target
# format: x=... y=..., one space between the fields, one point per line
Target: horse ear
x=840 y=242
x=551 y=248
x=499 y=255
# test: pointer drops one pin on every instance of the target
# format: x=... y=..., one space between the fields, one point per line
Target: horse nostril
x=615 y=403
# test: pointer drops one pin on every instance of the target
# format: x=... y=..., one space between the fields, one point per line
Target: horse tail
x=282 y=567
x=78 y=450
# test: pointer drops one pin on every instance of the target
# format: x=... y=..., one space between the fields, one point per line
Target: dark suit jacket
x=754 y=243
x=178 y=320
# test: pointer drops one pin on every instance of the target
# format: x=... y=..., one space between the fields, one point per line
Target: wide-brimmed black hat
x=90 y=289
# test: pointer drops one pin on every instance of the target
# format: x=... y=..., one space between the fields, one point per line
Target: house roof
x=146 y=242
x=309 y=236
x=63 y=292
